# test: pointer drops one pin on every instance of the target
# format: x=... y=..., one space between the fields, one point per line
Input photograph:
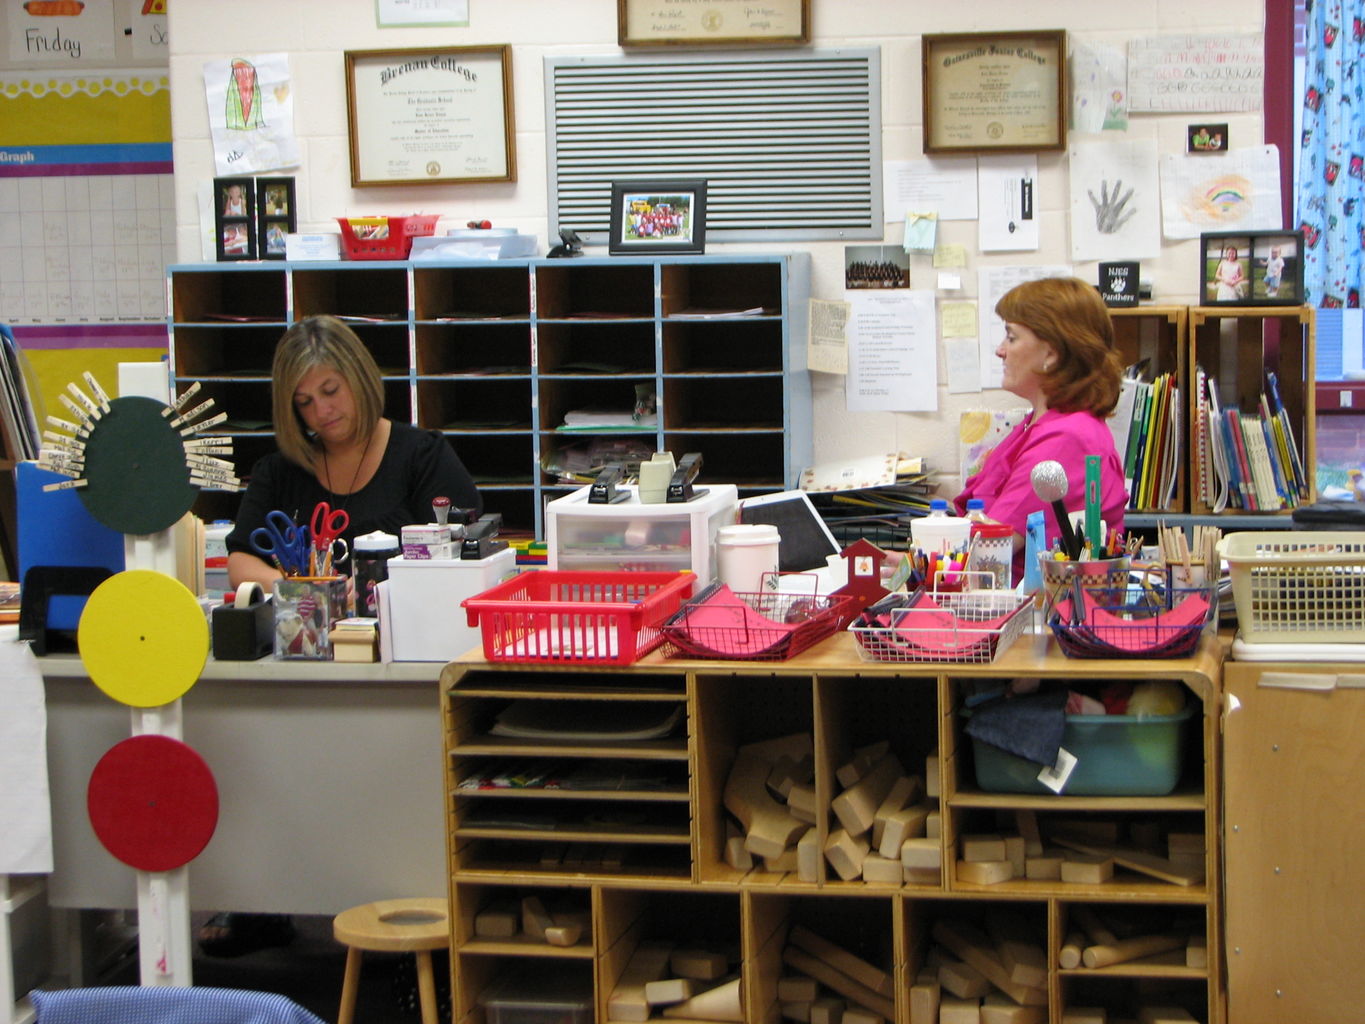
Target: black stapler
x=481 y=537
x=604 y=489
x=680 y=488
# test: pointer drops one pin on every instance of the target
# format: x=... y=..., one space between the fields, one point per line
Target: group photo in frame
x=994 y=92
x=275 y=215
x=234 y=218
x=658 y=216
x=1252 y=268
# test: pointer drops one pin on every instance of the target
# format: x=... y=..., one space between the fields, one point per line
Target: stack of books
x=1247 y=460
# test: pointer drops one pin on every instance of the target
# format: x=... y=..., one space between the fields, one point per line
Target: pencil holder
x=1061 y=574
x=306 y=608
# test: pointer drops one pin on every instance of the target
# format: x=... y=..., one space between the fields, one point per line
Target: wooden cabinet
x=1155 y=337
x=646 y=861
x=495 y=354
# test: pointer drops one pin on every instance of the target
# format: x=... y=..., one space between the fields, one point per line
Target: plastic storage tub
x=1299 y=586
x=540 y=995
x=1116 y=755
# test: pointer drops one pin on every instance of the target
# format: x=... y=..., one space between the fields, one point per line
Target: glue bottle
x=939 y=531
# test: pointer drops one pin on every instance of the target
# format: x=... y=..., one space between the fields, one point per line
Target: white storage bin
x=424 y=618
x=634 y=537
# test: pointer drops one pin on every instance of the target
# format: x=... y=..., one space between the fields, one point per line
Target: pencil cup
x=1060 y=575
x=305 y=611
x=747 y=556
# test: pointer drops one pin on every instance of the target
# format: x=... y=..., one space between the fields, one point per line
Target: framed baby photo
x=1225 y=275
x=235 y=218
x=657 y=216
x=275 y=216
x=1277 y=268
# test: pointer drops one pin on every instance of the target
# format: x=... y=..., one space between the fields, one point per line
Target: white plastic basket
x=1297 y=587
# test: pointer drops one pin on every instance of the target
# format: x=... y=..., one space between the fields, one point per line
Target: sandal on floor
x=233 y=934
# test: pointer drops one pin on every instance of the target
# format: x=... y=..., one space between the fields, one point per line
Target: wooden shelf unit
x=671 y=879
x=494 y=354
x=1156 y=334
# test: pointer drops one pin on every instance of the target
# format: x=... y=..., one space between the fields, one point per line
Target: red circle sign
x=153 y=802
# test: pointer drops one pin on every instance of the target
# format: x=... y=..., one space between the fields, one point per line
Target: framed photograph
x=235 y=218
x=876 y=266
x=430 y=116
x=1206 y=138
x=657 y=216
x=1277 y=268
x=994 y=92
x=1226 y=263
x=275 y=216
x=714 y=23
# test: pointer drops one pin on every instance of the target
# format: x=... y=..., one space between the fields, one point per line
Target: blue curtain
x=1331 y=199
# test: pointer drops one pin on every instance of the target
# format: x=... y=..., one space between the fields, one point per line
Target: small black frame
x=275 y=215
x=650 y=216
x=234 y=205
x=1251 y=268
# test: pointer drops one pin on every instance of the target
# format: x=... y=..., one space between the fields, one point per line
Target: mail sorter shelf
x=634 y=892
x=495 y=355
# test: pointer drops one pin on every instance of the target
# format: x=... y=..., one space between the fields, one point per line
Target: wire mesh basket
x=1134 y=622
x=1298 y=586
x=968 y=626
x=759 y=626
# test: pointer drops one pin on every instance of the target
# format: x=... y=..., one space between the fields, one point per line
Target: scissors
x=327 y=526
x=283 y=542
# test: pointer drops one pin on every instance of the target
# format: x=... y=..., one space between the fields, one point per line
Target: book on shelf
x=1251 y=459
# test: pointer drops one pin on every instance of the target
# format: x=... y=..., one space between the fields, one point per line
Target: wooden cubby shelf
x=652 y=868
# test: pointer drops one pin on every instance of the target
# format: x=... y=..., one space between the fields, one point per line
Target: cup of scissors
x=329 y=548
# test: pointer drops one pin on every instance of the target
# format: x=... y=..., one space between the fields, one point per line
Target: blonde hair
x=321 y=341
x=1071 y=317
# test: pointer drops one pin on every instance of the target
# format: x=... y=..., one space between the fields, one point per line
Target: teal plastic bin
x=1116 y=755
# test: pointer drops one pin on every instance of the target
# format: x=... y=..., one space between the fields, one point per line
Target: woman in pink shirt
x=1058 y=356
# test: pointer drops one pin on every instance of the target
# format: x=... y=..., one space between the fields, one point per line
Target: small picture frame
x=1252 y=268
x=1206 y=138
x=658 y=217
x=275 y=215
x=234 y=218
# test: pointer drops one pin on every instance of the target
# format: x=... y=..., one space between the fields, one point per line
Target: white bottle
x=939 y=531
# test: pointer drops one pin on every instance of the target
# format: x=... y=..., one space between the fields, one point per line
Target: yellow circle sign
x=143 y=638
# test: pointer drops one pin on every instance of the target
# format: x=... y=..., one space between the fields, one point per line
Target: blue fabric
x=1331 y=199
x=130 y=1004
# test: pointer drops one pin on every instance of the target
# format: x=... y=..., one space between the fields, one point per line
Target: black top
x=418 y=465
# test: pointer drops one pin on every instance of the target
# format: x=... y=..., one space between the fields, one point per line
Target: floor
x=309 y=972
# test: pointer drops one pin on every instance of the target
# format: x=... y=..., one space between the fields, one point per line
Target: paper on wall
x=1233 y=191
x=251 y=114
x=1099 y=87
x=892 y=364
x=827 y=349
x=1008 y=203
x=941 y=184
x=1115 y=209
x=1204 y=73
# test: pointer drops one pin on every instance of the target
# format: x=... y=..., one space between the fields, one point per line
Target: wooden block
x=858 y=1015
x=924 y=1000
x=921 y=876
x=1197 y=952
x=952 y=1010
x=1087 y=869
x=725 y=1002
x=922 y=853
x=932 y=779
x=903 y=792
x=1099 y=933
x=963 y=980
x=1130 y=949
x=982 y=847
x=860 y=970
x=1145 y=835
x=1185 y=842
x=1047 y=866
x=535 y=918
x=879 y=870
x=1072 y=947
x=933 y=825
x=769 y=829
x=1164 y=1015
x=838 y=981
x=984 y=872
x=1027 y=824
x=898 y=826
x=801 y=803
x=1015 y=854
x=788 y=861
x=797 y=988
x=647 y=963
x=701 y=964
x=1136 y=860
x=798 y=1011
x=1085 y=1015
x=795 y=745
x=845 y=853
x=973 y=946
x=808 y=856
x=737 y=856
x=864 y=759
x=669 y=991
x=782 y=777
x=563 y=934
x=827 y=1010
x=856 y=806
x=1018 y=946
x=497 y=921
x=998 y=1008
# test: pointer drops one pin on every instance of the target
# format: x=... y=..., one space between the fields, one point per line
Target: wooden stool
x=416 y=925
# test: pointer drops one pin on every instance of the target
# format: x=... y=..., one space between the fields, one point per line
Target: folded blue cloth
x=131 y=1004
x=1030 y=726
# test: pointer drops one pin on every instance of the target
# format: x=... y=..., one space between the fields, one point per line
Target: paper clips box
x=425 y=620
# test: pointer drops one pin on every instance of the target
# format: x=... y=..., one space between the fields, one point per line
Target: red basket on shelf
x=758 y=626
x=602 y=618
x=384 y=238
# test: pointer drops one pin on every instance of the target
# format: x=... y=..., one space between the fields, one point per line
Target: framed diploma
x=430 y=116
x=712 y=22
x=994 y=92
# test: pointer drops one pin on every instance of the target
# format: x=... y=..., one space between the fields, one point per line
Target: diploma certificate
x=426 y=116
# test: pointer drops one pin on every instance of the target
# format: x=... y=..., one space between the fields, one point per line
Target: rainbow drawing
x=1223 y=200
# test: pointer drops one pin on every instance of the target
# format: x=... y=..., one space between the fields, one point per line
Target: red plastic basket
x=384 y=238
x=602 y=618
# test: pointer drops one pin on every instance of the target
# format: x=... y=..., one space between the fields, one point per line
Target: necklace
x=356 y=476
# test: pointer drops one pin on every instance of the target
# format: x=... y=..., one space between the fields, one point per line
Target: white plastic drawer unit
x=634 y=537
